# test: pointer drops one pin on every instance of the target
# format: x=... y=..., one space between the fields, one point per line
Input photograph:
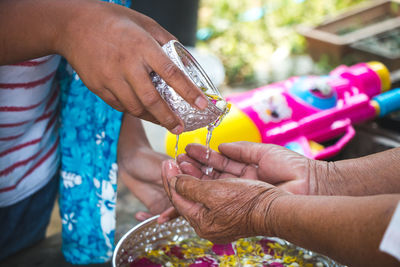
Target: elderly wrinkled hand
x=273 y=164
x=221 y=210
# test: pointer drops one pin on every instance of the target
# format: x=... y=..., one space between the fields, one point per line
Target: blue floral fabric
x=88 y=143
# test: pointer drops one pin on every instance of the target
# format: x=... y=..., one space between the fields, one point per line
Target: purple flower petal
x=223 y=249
x=144 y=262
x=265 y=246
x=276 y=264
x=175 y=251
x=204 y=262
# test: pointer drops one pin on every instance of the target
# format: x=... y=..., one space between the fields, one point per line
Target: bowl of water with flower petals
x=175 y=243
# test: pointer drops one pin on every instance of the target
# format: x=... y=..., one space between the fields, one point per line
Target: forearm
x=135 y=154
x=347 y=229
x=371 y=175
x=132 y=137
x=139 y=166
x=32 y=29
x=28 y=29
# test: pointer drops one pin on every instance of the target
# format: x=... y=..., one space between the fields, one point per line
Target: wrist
x=280 y=212
x=370 y=175
x=133 y=142
x=59 y=15
x=336 y=178
x=267 y=208
x=325 y=178
x=73 y=23
x=126 y=157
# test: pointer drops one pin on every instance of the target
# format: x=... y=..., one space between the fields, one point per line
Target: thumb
x=182 y=200
x=189 y=187
x=167 y=215
x=168 y=169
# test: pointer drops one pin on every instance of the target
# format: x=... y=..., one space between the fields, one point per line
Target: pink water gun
x=302 y=112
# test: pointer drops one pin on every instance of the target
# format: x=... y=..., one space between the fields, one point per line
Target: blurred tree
x=246 y=34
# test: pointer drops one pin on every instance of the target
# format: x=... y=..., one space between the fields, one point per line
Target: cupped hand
x=113 y=49
x=273 y=164
x=222 y=210
x=142 y=176
x=139 y=168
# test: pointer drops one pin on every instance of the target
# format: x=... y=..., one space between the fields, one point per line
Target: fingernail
x=172 y=181
x=201 y=102
x=177 y=130
x=140 y=217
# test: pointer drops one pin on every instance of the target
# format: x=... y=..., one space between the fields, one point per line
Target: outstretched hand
x=145 y=183
x=221 y=210
x=139 y=167
x=273 y=164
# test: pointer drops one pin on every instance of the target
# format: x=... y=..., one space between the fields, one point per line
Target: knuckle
x=169 y=121
x=152 y=25
x=187 y=94
x=225 y=163
x=140 y=41
x=170 y=71
x=115 y=104
x=106 y=96
x=108 y=74
x=151 y=99
x=121 y=58
x=135 y=110
x=96 y=86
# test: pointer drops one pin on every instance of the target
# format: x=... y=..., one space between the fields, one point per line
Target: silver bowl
x=191 y=117
x=150 y=235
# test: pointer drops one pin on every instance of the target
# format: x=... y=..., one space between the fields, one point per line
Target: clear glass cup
x=191 y=117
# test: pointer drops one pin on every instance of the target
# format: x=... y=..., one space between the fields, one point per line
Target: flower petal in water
x=223 y=249
x=144 y=262
x=276 y=264
x=204 y=262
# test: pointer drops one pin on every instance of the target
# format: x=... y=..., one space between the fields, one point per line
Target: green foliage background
x=243 y=42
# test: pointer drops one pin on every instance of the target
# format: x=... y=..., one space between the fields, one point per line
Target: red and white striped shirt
x=28 y=127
